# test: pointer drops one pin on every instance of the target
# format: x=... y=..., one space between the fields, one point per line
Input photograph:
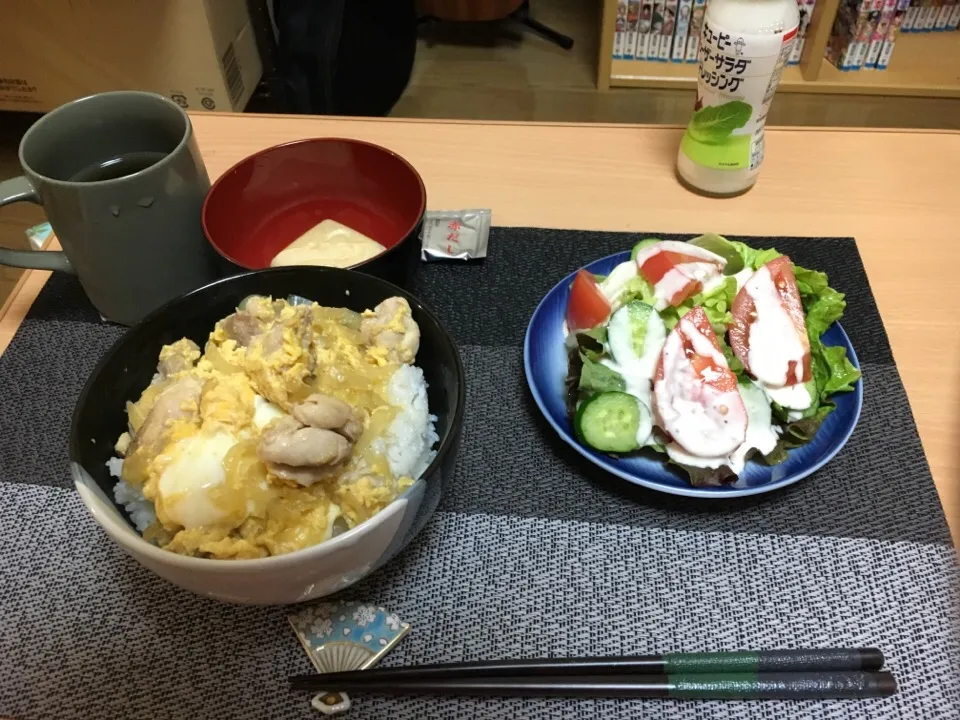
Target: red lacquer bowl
x=266 y=201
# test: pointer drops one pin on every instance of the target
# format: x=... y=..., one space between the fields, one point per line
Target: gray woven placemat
x=533 y=553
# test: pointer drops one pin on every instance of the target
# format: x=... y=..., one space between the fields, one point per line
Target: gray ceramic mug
x=122 y=184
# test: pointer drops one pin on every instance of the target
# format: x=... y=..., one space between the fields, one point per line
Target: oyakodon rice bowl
x=283 y=451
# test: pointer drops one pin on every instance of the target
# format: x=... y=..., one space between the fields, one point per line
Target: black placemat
x=534 y=552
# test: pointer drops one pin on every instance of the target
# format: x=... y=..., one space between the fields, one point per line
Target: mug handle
x=19 y=189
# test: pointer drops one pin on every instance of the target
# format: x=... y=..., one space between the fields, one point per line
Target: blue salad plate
x=545 y=362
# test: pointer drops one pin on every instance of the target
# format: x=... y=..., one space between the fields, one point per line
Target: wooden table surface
x=894 y=191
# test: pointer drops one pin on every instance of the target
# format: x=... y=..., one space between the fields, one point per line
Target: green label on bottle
x=710 y=140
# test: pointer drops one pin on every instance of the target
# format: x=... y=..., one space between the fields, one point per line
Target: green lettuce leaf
x=841 y=375
x=832 y=370
x=716 y=304
x=753 y=258
x=823 y=310
x=597 y=378
x=810 y=283
x=733 y=362
x=637 y=289
x=797 y=433
x=592 y=342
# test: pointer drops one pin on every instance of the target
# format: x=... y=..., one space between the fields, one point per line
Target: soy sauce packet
x=455 y=235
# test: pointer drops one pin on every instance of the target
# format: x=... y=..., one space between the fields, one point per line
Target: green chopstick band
x=717 y=662
x=797 y=686
x=774 y=661
x=706 y=685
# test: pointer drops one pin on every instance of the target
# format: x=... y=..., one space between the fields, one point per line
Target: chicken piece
x=288 y=442
x=329 y=413
x=305 y=476
x=178 y=357
x=242 y=327
x=180 y=400
x=270 y=340
x=392 y=328
x=263 y=308
x=281 y=360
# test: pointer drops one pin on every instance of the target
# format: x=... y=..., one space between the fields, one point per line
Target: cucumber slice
x=627 y=330
x=635 y=337
x=610 y=422
x=719 y=245
x=646 y=242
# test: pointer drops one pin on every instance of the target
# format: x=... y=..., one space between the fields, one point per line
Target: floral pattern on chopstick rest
x=342 y=636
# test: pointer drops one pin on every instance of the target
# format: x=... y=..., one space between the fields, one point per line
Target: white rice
x=139 y=509
x=412 y=434
x=410 y=441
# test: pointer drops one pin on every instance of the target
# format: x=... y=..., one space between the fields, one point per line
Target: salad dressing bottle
x=744 y=46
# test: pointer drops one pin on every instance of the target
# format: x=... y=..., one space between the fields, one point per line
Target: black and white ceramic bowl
x=100 y=417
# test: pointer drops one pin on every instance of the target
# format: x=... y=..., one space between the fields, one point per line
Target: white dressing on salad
x=796 y=397
x=774 y=346
x=683 y=248
x=700 y=418
x=637 y=371
x=742 y=277
x=707 y=274
x=712 y=283
x=668 y=286
x=761 y=436
x=680 y=275
x=615 y=283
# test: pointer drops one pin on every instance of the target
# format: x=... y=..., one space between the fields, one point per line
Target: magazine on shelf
x=643 y=31
x=620 y=30
x=851 y=34
x=669 y=27
x=909 y=16
x=805 y=8
x=696 y=26
x=880 y=31
x=633 y=23
x=954 y=21
x=892 y=33
x=860 y=32
x=932 y=13
x=943 y=17
x=926 y=7
x=684 y=11
x=656 y=29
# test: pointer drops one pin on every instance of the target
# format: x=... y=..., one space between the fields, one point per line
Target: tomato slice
x=587 y=307
x=659 y=264
x=765 y=311
x=696 y=398
x=686 y=269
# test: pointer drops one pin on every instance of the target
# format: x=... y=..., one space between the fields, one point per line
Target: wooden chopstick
x=763 y=661
x=732 y=686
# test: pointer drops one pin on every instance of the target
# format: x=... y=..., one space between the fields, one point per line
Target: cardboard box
x=200 y=53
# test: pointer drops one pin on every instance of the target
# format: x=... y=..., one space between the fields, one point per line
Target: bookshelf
x=923 y=65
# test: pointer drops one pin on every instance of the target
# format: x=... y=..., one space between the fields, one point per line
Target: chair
x=486 y=10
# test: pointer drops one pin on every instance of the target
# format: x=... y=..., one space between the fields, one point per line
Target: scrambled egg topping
x=224 y=444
